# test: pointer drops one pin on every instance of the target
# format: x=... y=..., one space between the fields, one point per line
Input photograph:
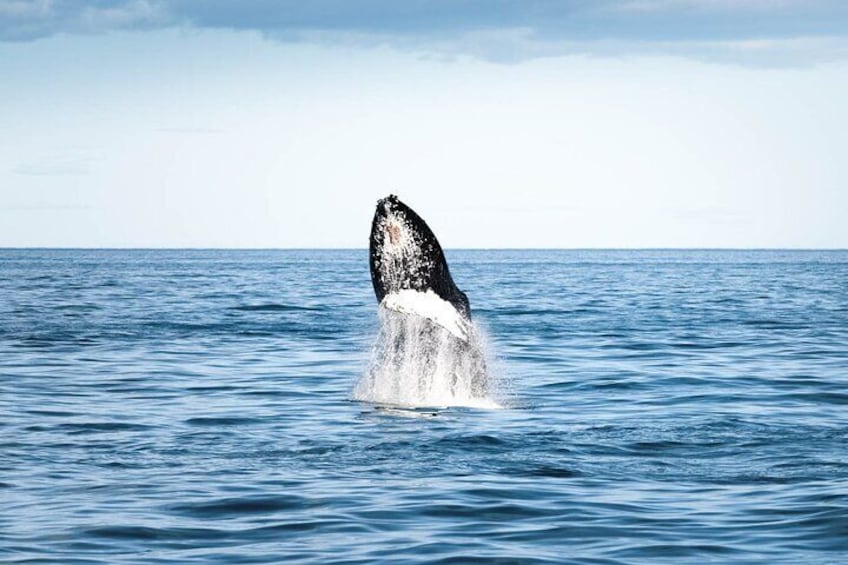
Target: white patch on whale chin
x=428 y=305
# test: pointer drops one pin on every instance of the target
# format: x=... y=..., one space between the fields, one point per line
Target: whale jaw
x=429 y=305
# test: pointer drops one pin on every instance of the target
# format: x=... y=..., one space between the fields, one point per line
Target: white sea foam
x=417 y=363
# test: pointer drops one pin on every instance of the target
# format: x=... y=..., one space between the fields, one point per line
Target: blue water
x=194 y=407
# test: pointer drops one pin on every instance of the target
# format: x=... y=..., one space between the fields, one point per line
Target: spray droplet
x=416 y=363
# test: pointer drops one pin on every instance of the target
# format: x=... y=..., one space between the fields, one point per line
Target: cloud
x=24 y=20
x=746 y=31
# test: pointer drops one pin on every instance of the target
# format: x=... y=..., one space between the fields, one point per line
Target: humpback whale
x=409 y=271
x=429 y=351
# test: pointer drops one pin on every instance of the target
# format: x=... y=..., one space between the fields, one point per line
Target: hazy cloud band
x=761 y=32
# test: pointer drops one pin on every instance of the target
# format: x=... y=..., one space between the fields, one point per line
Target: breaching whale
x=429 y=352
x=409 y=271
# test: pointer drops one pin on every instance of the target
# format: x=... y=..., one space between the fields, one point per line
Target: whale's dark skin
x=419 y=264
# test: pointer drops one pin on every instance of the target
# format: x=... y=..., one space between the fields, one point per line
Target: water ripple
x=194 y=407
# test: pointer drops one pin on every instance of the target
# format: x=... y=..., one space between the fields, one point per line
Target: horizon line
x=203 y=248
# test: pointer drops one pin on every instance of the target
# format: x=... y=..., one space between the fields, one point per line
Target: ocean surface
x=196 y=407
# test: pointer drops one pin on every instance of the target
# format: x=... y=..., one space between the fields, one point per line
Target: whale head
x=408 y=266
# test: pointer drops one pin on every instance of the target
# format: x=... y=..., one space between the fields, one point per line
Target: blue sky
x=641 y=123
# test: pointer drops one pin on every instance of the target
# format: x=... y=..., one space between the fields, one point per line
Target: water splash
x=415 y=363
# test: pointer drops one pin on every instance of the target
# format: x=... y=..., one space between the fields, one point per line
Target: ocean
x=197 y=406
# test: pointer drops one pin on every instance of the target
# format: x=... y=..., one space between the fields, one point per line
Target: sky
x=504 y=123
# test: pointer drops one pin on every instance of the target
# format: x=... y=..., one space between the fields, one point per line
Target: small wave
x=230 y=507
x=220 y=421
x=769 y=324
x=275 y=308
x=476 y=442
x=101 y=427
x=132 y=533
x=552 y=472
x=78 y=307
